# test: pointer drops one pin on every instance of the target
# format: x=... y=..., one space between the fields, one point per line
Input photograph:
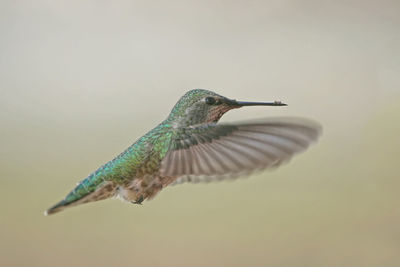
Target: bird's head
x=204 y=106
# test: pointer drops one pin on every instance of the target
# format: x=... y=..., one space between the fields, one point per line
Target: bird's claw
x=139 y=201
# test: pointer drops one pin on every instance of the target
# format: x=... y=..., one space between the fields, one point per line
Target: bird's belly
x=142 y=188
x=127 y=194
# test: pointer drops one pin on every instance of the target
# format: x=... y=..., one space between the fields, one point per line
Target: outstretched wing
x=210 y=152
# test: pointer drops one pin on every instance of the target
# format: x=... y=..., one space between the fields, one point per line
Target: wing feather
x=211 y=152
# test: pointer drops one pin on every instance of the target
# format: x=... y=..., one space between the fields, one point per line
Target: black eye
x=210 y=100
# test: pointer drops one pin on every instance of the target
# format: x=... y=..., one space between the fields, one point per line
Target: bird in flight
x=191 y=146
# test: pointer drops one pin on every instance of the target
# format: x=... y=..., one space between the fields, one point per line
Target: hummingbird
x=191 y=146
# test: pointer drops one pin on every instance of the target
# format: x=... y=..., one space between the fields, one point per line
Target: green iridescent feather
x=144 y=156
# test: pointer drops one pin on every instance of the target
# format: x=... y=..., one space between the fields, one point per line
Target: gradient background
x=82 y=80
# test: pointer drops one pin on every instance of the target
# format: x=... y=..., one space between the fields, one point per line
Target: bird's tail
x=86 y=191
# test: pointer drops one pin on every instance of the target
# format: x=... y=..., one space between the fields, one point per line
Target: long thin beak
x=245 y=103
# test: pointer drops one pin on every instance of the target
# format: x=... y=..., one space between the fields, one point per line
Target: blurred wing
x=210 y=152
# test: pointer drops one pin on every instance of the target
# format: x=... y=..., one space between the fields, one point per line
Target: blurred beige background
x=82 y=80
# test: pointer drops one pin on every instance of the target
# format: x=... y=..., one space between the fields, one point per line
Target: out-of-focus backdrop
x=82 y=80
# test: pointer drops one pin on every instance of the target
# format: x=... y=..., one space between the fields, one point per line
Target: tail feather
x=57 y=207
x=82 y=194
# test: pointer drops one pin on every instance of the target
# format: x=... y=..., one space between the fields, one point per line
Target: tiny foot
x=139 y=201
